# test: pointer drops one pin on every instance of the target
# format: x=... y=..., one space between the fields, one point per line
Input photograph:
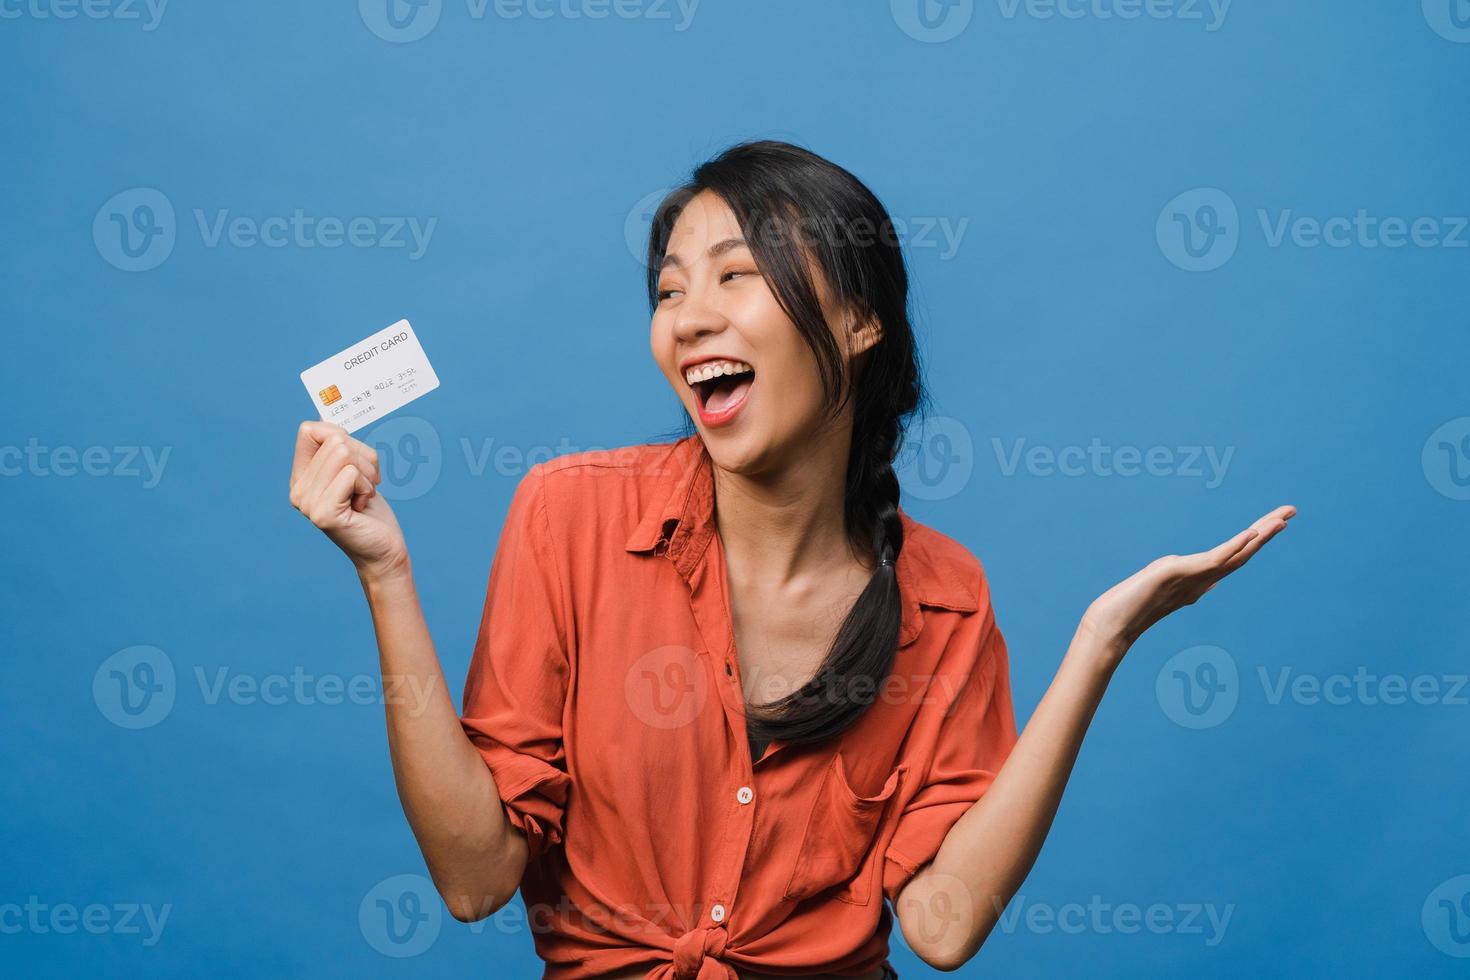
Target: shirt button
x=744 y=794
x=717 y=913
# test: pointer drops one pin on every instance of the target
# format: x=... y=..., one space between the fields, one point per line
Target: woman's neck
x=783 y=528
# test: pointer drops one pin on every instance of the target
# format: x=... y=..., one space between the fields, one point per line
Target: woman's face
x=731 y=353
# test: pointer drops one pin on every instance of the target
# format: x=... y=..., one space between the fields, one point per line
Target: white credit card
x=370 y=379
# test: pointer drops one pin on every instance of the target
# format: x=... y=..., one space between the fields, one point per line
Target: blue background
x=1062 y=318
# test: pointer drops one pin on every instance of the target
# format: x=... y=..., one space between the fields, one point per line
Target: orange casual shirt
x=604 y=695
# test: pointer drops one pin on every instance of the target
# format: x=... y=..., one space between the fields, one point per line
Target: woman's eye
x=664 y=294
x=735 y=272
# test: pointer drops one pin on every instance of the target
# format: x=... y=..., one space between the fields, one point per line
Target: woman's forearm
x=448 y=794
x=990 y=850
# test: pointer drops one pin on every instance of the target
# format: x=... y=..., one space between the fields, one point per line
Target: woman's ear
x=864 y=333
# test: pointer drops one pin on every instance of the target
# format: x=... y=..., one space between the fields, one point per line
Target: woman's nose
x=697 y=318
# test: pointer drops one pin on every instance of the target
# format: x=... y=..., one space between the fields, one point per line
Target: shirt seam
x=981 y=666
x=559 y=463
x=542 y=506
x=901 y=859
x=521 y=786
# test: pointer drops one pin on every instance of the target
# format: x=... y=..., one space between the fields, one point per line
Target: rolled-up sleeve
x=975 y=738
x=517 y=683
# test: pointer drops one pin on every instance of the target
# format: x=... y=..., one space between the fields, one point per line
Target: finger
x=1280 y=515
x=304 y=475
x=327 y=507
x=329 y=461
x=312 y=437
x=1225 y=550
x=312 y=456
x=1249 y=550
x=309 y=438
x=1210 y=562
x=1244 y=544
x=364 y=487
x=363 y=492
x=366 y=459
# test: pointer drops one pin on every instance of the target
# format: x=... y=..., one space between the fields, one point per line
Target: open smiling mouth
x=721 y=388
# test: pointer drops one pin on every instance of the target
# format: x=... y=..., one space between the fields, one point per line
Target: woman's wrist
x=379 y=578
x=1098 y=646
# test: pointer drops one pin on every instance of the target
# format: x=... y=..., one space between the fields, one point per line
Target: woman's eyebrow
x=715 y=251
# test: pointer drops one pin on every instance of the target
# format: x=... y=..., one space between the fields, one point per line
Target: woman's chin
x=756 y=453
x=740 y=451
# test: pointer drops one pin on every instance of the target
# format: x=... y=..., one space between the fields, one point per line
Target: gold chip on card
x=330 y=394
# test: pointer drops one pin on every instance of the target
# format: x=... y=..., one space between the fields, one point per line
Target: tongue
x=727 y=393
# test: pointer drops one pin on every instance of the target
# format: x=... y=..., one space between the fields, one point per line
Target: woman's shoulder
x=945 y=572
x=608 y=491
x=948 y=577
x=592 y=474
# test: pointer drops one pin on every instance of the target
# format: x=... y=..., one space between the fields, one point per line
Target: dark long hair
x=798 y=210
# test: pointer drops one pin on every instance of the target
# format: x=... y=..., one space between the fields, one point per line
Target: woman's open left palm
x=1125 y=611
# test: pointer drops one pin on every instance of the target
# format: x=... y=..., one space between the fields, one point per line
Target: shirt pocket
x=839 y=834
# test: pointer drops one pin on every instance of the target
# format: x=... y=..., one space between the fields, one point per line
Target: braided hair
x=799 y=211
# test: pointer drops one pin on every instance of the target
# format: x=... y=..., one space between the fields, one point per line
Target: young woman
x=730 y=708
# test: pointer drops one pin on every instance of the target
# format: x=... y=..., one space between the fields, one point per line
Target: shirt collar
x=679 y=525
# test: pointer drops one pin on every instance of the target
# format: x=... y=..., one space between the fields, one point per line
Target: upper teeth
x=713 y=369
